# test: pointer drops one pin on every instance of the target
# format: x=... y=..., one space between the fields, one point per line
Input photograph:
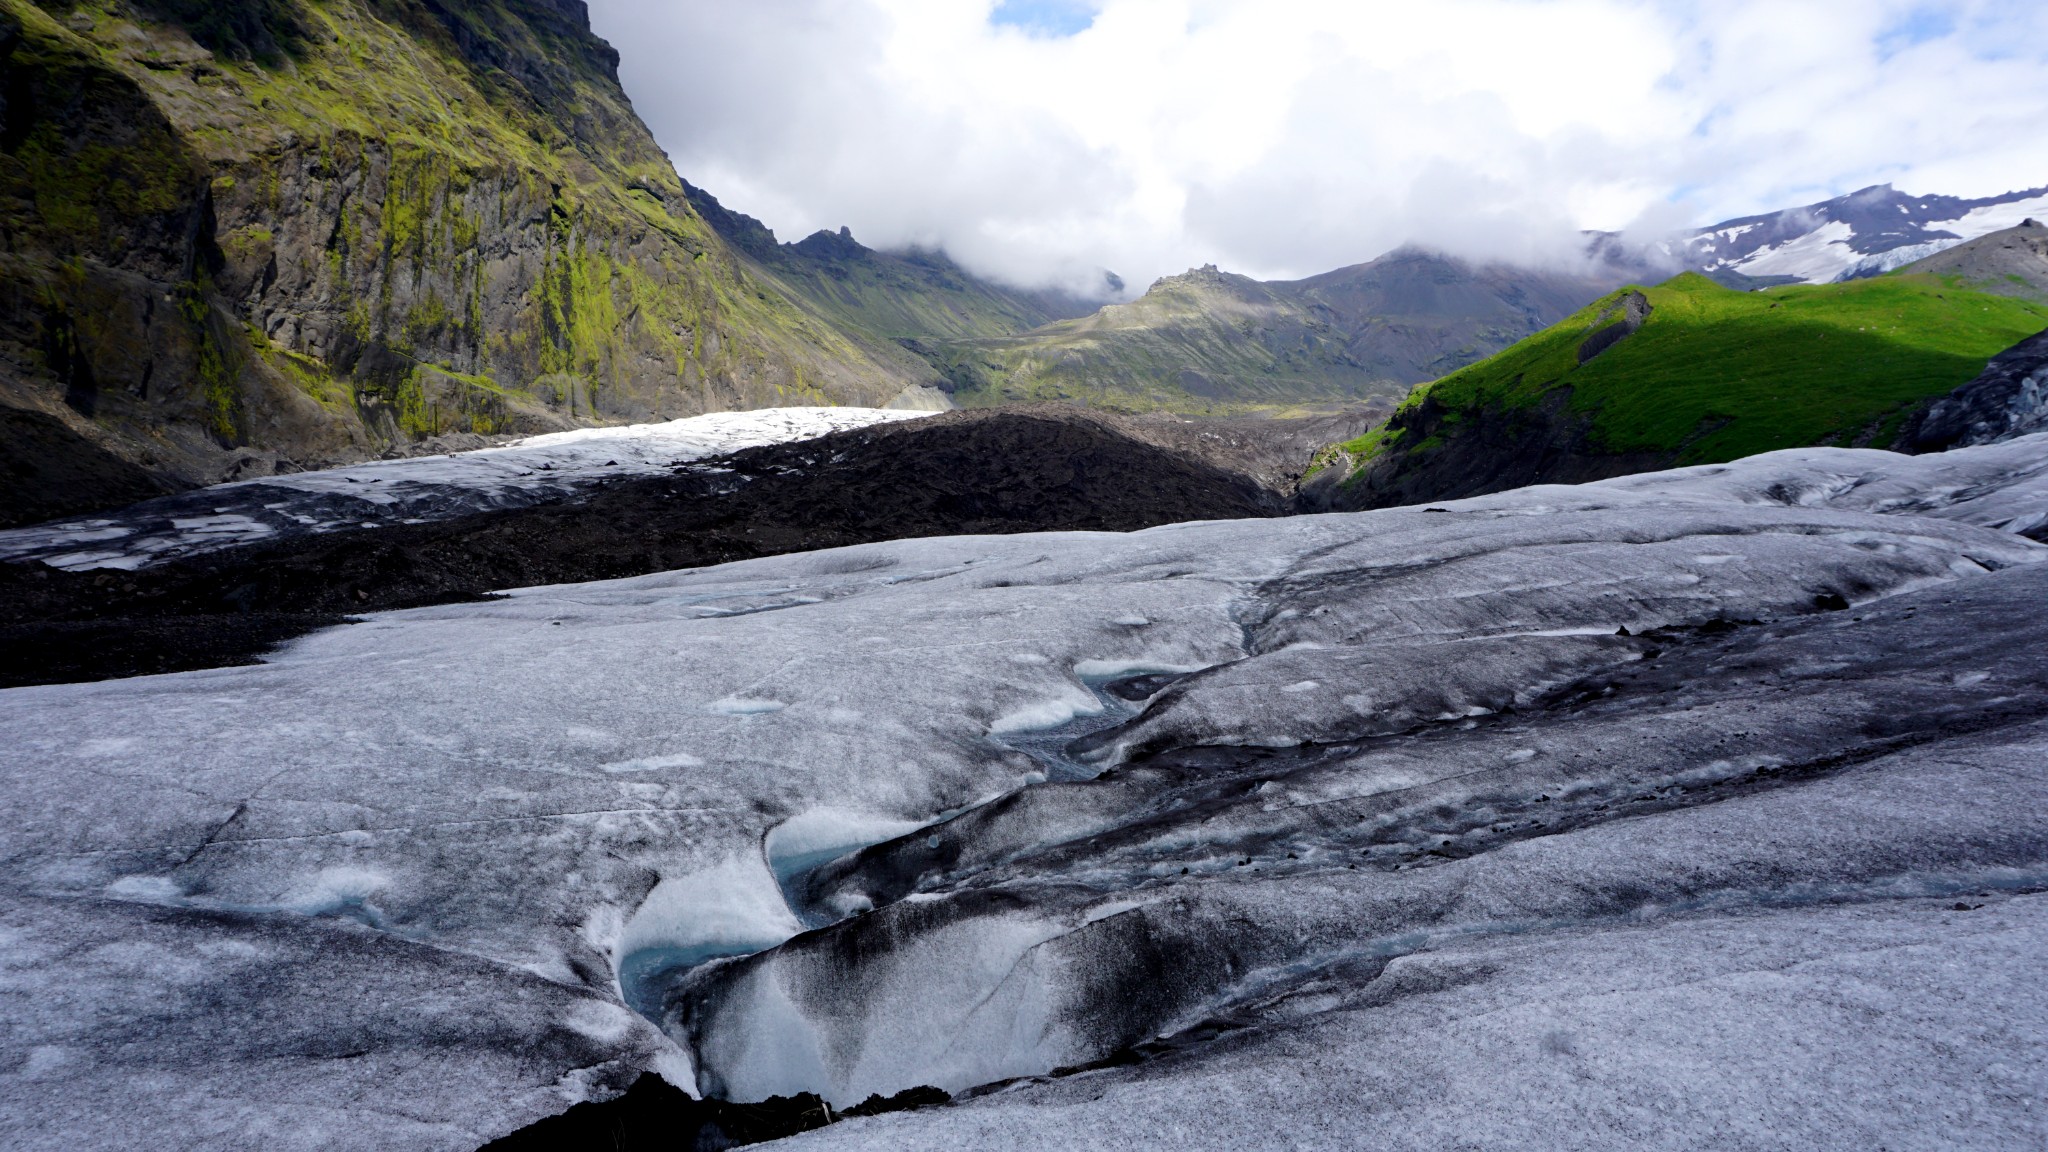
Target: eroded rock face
x=1525 y=810
x=2009 y=400
x=1615 y=325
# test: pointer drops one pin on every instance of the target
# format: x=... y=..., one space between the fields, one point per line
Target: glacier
x=1695 y=809
x=1865 y=233
x=535 y=470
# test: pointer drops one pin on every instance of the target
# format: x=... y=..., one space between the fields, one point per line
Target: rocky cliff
x=904 y=300
x=239 y=236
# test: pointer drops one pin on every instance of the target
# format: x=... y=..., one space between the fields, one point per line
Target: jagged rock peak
x=1206 y=274
x=828 y=245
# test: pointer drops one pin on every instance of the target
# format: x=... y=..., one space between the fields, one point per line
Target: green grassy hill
x=1204 y=341
x=1683 y=373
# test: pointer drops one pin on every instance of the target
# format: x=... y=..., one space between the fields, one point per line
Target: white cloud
x=1286 y=137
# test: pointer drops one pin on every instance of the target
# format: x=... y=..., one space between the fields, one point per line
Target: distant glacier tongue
x=545 y=469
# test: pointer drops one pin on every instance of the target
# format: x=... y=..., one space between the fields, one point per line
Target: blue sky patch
x=1045 y=17
x=1928 y=22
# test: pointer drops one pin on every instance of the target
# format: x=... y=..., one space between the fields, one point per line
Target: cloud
x=1041 y=140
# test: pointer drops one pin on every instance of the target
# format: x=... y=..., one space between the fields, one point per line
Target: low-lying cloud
x=1286 y=137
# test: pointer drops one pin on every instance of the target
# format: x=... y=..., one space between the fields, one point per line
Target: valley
x=501 y=651
x=1215 y=343
x=485 y=241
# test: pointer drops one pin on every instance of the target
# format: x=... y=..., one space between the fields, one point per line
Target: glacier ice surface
x=1407 y=836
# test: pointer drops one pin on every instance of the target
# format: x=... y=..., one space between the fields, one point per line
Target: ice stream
x=1051 y=746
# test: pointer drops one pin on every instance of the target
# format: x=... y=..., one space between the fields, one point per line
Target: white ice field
x=1828 y=252
x=536 y=470
x=1704 y=809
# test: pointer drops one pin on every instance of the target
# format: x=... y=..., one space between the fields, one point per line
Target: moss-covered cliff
x=236 y=234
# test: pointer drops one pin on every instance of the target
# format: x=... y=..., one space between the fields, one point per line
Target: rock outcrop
x=2009 y=400
x=2010 y=262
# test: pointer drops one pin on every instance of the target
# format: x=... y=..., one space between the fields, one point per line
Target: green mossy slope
x=1709 y=374
x=1718 y=374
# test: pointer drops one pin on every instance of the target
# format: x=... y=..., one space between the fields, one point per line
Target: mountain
x=1213 y=341
x=1210 y=341
x=1865 y=233
x=1199 y=340
x=897 y=298
x=2011 y=262
x=242 y=237
x=1688 y=372
x=239 y=236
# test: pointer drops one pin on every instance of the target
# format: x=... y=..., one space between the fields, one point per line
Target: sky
x=1043 y=141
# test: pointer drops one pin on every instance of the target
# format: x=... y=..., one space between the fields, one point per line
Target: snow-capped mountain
x=1865 y=233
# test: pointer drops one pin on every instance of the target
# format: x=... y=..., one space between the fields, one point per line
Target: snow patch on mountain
x=1814 y=257
x=1865 y=233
